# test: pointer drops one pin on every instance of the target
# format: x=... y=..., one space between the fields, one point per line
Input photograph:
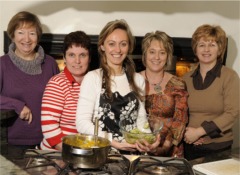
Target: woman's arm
x=230 y=112
x=88 y=103
x=5 y=101
x=180 y=117
x=51 y=111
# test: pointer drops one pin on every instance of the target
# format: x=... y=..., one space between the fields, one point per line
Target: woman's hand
x=144 y=146
x=26 y=114
x=154 y=148
x=193 y=134
x=200 y=141
x=164 y=149
x=123 y=146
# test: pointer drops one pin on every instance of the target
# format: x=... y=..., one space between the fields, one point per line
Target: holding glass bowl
x=141 y=130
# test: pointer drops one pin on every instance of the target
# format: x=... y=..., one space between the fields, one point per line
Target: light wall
x=177 y=18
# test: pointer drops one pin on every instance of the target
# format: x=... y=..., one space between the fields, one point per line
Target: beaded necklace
x=157 y=86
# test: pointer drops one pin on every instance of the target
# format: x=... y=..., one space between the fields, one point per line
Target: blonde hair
x=163 y=38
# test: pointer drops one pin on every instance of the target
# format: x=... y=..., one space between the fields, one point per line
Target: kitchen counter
x=218 y=156
x=224 y=163
x=221 y=167
x=8 y=168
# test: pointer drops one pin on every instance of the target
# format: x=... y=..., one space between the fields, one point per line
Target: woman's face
x=116 y=47
x=156 y=56
x=77 y=61
x=207 y=51
x=26 y=39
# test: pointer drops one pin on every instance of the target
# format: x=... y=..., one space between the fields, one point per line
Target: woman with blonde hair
x=166 y=94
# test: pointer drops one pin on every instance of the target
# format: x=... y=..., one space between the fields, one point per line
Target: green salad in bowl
x=138 y=131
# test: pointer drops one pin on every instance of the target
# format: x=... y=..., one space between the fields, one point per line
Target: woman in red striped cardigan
x=60 y=98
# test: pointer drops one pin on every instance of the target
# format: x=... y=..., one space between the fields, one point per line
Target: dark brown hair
x=22 y=18
x=78 y=38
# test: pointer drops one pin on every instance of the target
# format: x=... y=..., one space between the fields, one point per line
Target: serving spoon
x=96 y=133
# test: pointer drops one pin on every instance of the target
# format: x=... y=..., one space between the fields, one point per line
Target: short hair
x=78 y=38
x=163 y=38
x=22 y=18
x=210 y=32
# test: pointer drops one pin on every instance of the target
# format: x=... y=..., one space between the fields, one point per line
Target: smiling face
x=207 y=51
x=77 y=61
x=116 y=47
x=156 y=56
x=26 y=39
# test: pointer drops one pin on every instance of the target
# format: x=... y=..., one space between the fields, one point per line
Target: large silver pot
x=82 y=152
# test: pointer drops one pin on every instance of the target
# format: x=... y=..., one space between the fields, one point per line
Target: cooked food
x=84 y=143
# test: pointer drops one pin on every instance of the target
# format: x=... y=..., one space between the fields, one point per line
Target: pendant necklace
x=157 y=86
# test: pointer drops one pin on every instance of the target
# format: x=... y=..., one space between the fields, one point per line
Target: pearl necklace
x=157 y=86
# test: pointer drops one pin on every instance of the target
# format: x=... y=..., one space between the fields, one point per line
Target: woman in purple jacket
x=24 y=73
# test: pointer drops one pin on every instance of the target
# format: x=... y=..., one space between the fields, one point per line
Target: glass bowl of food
x=143 y=129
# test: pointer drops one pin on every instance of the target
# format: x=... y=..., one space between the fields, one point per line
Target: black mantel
x=52 y=44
